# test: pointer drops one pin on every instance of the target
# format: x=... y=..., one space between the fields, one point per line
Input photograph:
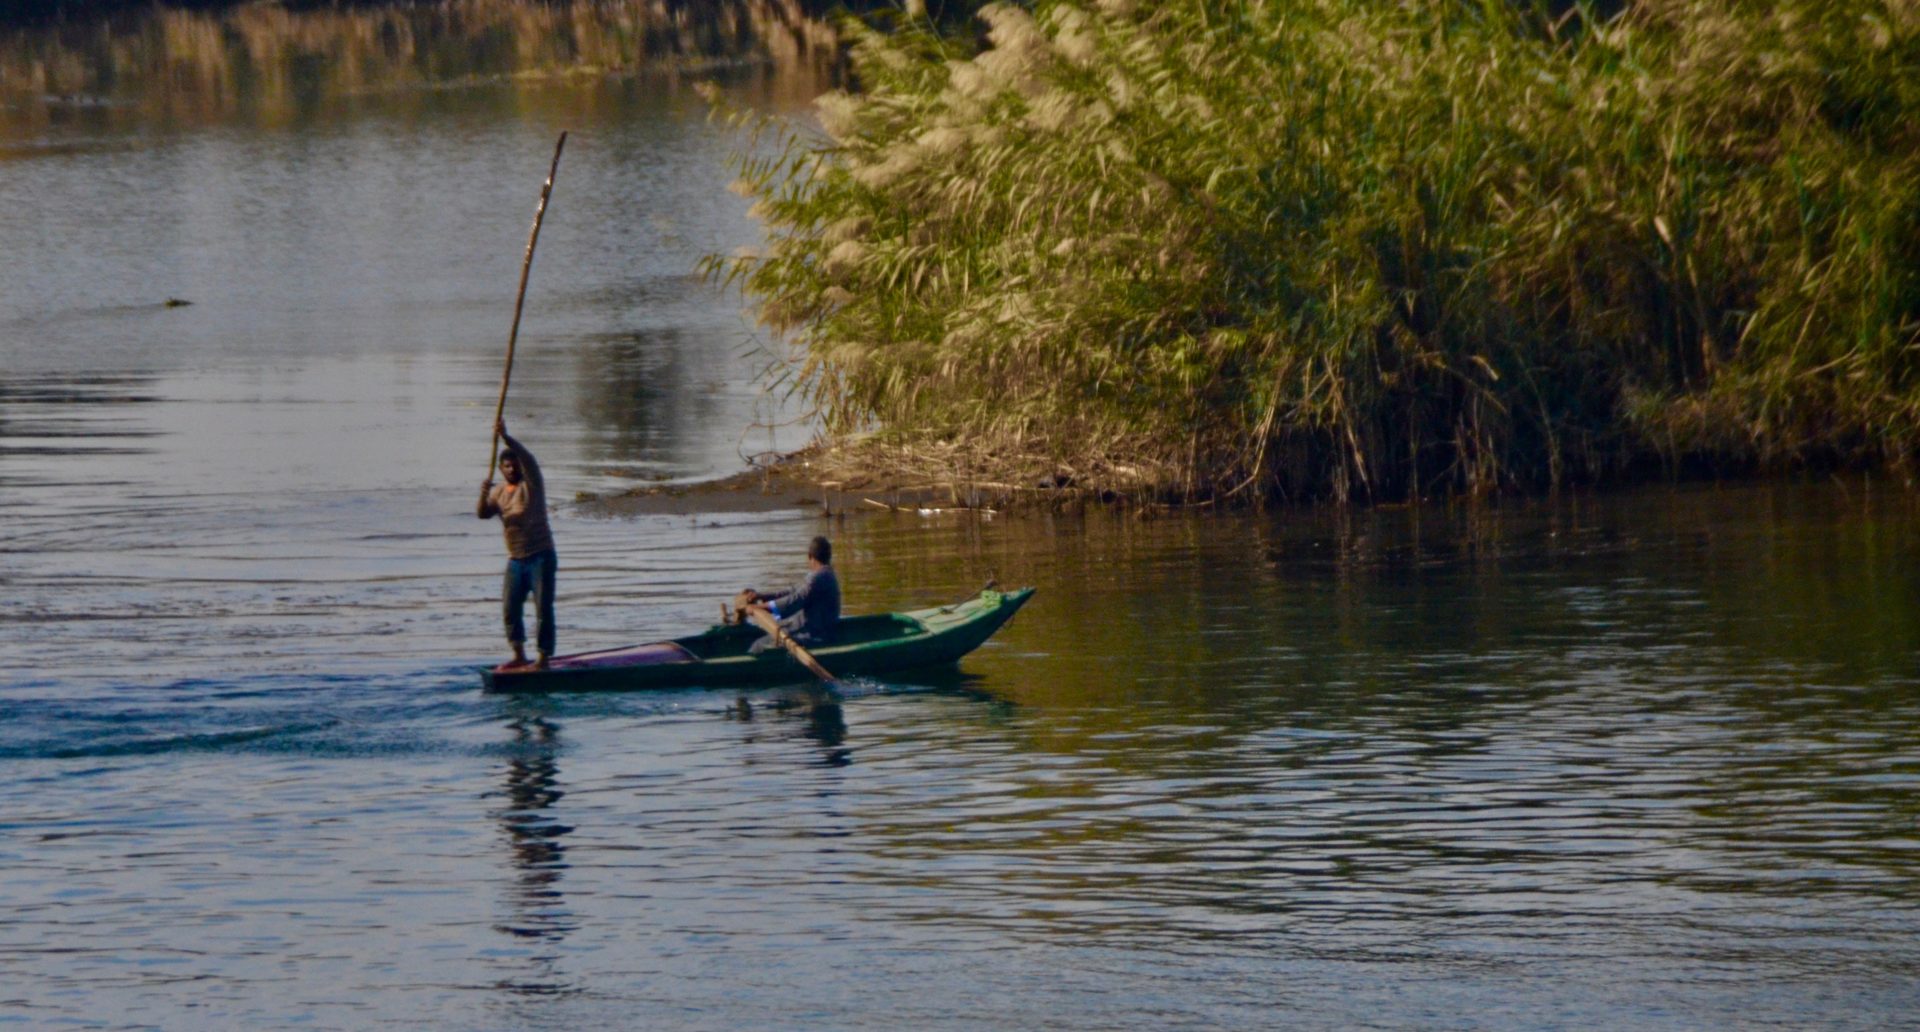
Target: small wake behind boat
x=718 y=657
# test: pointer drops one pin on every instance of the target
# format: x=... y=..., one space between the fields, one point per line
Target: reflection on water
x=531 y=791
x=815 y=712
x=650 y=389
x=274 y=67
x=47 y=423
x=1638 y=762
x=1515 y=729
x=537 y=902
x=827 y=725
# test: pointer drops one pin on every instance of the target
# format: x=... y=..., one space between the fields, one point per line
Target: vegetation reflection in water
x=1696 y=690
x=275 y=66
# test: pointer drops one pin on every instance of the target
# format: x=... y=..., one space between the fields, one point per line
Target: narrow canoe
x=718 y=657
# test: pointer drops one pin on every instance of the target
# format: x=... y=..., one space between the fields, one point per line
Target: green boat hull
x=718 y=657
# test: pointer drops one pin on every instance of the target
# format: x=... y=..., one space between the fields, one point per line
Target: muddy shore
x=790 y=486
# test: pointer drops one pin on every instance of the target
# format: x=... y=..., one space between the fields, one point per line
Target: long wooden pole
x=764 y=620
x=519 y=302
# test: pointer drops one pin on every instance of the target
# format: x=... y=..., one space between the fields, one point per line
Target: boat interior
x=720 y=642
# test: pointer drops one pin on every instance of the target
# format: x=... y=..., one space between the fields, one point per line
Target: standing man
x=809 y=611
x=521 y=504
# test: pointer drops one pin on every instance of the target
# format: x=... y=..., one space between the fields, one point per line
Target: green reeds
x=1282 y=249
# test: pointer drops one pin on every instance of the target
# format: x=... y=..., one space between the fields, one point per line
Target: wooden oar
x=764 y=620
x=519 y=302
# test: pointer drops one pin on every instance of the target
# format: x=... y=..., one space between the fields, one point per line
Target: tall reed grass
x=1295 y=248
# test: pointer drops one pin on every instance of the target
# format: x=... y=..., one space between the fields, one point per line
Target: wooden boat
x=718 y=656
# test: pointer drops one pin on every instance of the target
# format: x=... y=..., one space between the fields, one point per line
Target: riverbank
x=822 y=481
x=810 y=480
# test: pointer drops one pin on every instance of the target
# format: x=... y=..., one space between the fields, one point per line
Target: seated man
x=809 y=611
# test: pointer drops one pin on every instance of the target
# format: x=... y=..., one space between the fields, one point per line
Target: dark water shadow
x=538 y=914
x=810 y=713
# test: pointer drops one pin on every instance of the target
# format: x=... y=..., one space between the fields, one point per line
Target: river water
x=1639 y=761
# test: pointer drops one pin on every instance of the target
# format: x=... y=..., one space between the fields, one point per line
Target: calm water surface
x=1640 y=762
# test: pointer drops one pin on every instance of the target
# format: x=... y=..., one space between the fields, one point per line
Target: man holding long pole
x=521 y=504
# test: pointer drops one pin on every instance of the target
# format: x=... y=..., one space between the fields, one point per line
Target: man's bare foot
x=541 y=663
